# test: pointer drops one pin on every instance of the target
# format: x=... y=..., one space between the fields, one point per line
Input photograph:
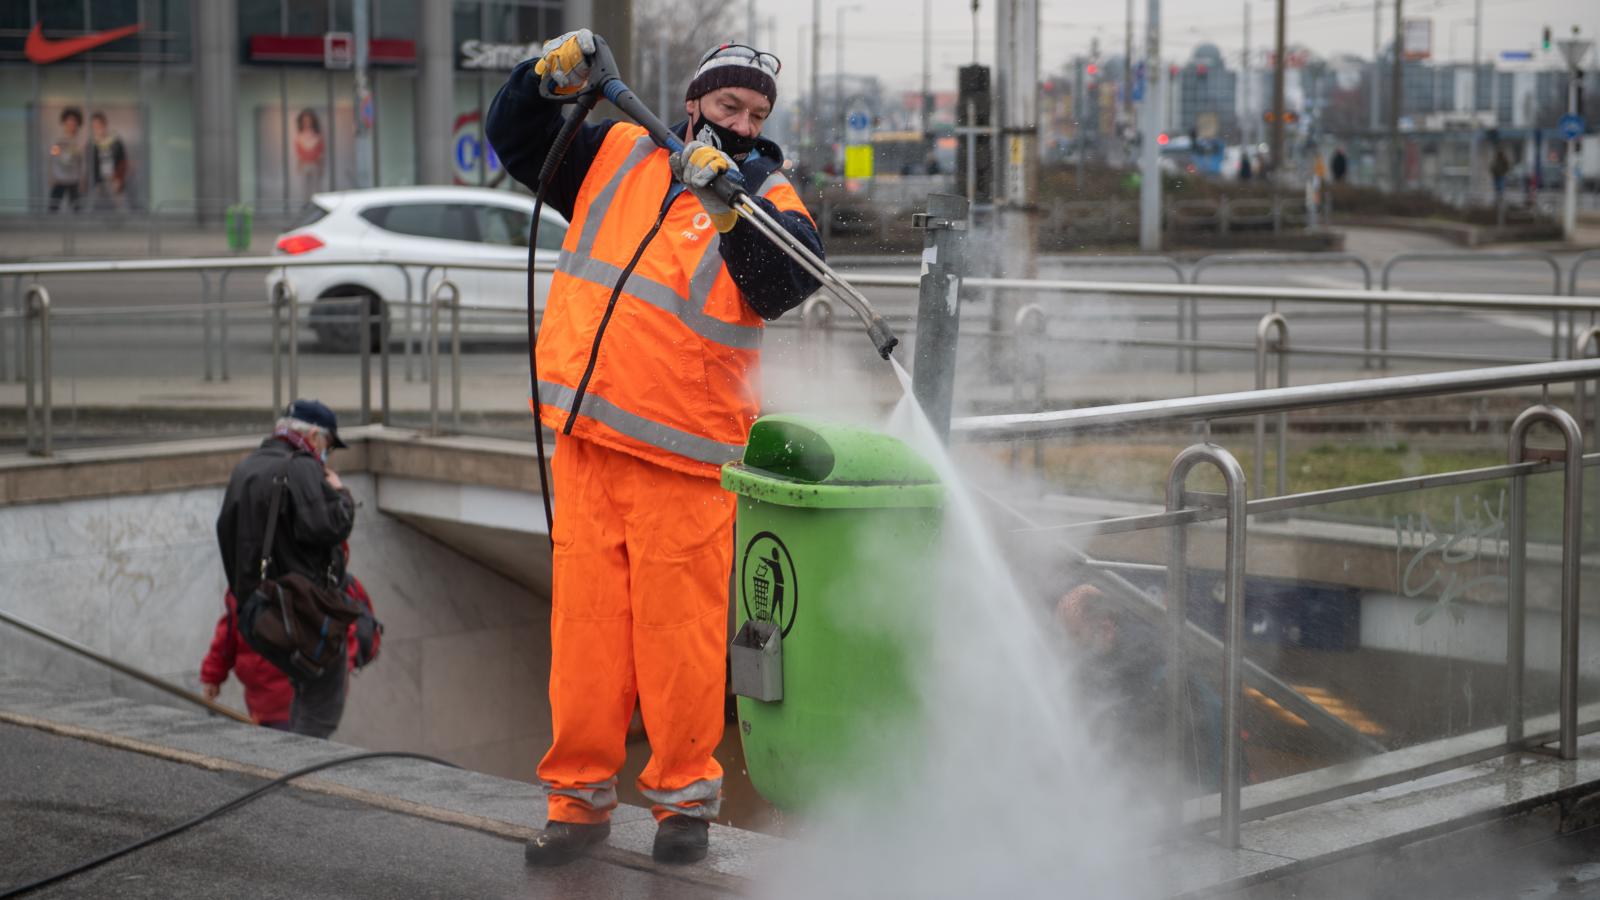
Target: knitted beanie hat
x=735 y=65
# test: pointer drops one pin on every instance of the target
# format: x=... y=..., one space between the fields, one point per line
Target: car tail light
x=295 y=244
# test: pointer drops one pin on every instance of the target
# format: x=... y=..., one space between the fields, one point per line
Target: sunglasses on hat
x=743 y=52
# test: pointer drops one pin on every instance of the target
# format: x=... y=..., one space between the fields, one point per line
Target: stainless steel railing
x=1184 y=508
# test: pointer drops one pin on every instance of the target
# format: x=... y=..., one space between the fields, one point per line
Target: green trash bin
x=240 y=219
x=838 y=535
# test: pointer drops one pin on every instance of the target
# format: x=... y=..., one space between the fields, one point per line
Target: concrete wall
x=465 y=652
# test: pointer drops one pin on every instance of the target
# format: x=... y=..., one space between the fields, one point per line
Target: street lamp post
x=838 y=66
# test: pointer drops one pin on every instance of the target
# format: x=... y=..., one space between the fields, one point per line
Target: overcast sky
x=884 y=37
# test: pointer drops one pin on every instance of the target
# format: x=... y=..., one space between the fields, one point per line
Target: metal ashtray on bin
x=838 y=534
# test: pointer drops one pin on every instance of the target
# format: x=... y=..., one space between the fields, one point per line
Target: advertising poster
x=302 y=153
x=93 y=165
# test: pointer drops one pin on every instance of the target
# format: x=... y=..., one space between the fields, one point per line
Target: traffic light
x=1547 y=37
x=1289 y=116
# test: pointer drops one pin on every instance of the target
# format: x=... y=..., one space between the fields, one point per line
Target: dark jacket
x=313 y=519
x=522 y=125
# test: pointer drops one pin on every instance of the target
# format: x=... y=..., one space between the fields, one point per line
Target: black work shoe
x=559 y=843
x=681 y=839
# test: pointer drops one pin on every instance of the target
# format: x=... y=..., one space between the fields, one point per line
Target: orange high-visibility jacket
x=674 y=378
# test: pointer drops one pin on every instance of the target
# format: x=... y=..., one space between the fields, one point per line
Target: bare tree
x=676 y=33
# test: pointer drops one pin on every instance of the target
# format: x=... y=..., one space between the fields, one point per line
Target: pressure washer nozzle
x=882 y=337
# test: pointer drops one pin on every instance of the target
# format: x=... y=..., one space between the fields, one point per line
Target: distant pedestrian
x=1340 y=165
x=316 y=514
x=1499 y=167
x=1245 y=171
x=66 y=161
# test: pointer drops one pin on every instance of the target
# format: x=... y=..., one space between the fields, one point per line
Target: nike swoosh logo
x=43 y=52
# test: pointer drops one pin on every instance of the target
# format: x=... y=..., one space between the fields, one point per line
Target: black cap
x=315 y=412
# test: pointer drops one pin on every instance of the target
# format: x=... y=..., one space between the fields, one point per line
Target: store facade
x=215 y=102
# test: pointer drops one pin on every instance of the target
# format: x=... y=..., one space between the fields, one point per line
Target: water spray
x=605 y=80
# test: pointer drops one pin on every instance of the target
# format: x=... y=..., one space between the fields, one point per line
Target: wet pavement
x=67 y=800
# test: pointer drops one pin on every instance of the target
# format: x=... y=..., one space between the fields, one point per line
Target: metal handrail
x=1481 y=257
x=122 y=667
x=1056 y=423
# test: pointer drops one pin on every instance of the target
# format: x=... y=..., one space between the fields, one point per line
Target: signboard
x=858 y=125
x=468 y=153
x=338 y=50
x=483 y=55
x=1571 y=127
x=858 y=161
x=1418 y=37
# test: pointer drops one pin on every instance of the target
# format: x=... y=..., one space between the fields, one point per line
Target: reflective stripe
x=662 y=437
x=773 y=181
x=599 y=797
x=690 y=312
x=705 y=275
x=642 y=147
x=700 y=799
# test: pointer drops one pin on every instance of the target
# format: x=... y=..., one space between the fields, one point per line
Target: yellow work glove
x=697 y=165
x=564 y=61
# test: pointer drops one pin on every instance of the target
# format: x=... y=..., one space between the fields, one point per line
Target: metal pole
x=1571 y=562
x=1396 y=151
x=1127 y=77
x=1569 y=208
x=1377 y=66
x=1279 y=64
x=26 y=308
x=944 y=256
x=361 y=33
x=455 y=357
x=293 y=301
x=277 y=345
x=39 y=306
x=1233 y=634
x=1271 y=322
x=816 y=69
x=384 y=359
x=433 y=355
x=1248 y=119
x=1150 y=167
x=205 y=322
x=1477 y=51
x=222 y=324
x=364 y=341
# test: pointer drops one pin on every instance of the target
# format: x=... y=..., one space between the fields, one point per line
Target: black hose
x=212 y=814
x=552 y=161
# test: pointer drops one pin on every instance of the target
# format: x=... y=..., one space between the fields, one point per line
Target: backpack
x=293 y=622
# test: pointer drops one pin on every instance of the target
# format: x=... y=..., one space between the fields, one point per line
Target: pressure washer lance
x=730 y=186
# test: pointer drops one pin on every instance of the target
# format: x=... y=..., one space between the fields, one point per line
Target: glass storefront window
x=394 y=19
x=307 y=16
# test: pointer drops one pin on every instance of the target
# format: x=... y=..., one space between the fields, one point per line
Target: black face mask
x=725 y=139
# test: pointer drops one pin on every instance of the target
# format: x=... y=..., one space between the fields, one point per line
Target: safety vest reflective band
x=673 y=378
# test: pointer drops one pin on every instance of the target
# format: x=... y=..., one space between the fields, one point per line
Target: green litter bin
x=240 y=219
x=838 y=536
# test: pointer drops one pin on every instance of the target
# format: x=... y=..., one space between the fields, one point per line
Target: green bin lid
x=797 y=461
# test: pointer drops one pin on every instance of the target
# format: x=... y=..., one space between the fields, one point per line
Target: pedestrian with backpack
x=285 y=515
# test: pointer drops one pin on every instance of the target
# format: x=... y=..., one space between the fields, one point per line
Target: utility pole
x=1247 y=119
x=1477 y=130
x=1574 y=51
x=750 y=25
x=816 y=92
x=1377 y=65
x=1396 y=150
x=1279 y=65
x=1017 y=157
x=362 y=35
x=1127 y=66
x=1150 y=175
x=927 y=76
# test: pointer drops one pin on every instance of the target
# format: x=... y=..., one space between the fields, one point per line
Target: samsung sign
x=484 y=55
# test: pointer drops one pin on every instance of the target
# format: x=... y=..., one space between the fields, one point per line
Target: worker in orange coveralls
x=647 y=361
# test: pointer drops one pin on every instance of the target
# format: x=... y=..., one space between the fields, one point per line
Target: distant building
x=1206 y=93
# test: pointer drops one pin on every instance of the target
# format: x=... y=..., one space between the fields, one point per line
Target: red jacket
x=267 y=692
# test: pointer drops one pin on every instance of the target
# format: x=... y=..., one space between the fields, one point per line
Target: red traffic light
x=1092 y=69
x=1162 y=139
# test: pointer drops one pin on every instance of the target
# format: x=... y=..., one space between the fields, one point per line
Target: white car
x=449 y=224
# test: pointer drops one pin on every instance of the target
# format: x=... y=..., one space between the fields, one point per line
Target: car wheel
x=335 y=320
